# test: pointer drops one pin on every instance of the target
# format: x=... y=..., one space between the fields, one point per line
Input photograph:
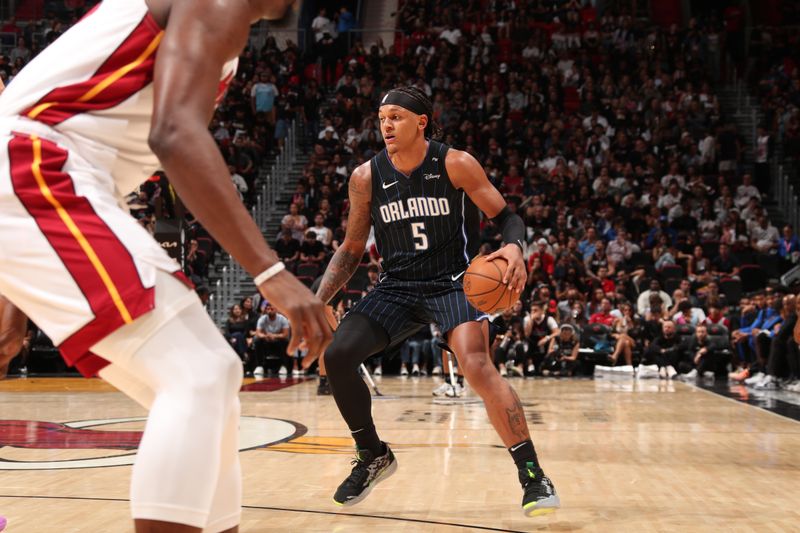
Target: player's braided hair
x=432 y=130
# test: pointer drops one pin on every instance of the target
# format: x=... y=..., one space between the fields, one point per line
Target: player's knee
x=339 y=357
x=475 y=366
x=217 y=377
x=230 y=373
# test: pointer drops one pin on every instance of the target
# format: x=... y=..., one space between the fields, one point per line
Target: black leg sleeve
x=357 y=338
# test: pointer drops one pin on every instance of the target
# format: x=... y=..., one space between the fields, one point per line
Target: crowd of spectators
x=606 y=135
x=776 y=76
x=603 y=132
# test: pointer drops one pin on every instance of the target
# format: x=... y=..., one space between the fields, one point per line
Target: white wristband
x=269 y=273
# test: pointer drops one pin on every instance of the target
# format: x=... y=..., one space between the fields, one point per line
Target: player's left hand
x=516 y=274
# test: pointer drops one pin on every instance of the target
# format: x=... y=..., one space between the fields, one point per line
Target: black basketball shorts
x=403 y=307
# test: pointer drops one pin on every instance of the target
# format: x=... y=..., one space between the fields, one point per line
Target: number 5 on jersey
x=420 y=239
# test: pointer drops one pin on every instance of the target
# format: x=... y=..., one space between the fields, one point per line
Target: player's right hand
x=305 y=312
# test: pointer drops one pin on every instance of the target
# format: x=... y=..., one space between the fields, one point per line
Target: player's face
x=399 y=126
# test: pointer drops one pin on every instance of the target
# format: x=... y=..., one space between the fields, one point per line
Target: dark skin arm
x=466 y=173
x=347 y=257
x=188 y=67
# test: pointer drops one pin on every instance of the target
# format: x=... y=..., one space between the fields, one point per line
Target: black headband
x=405 y=101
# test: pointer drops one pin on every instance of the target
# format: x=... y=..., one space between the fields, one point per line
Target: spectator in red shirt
x=606 y=283
x=512 y=183
x=547 y=261
x=603 y=316
x=715 y=316
x=11 y=27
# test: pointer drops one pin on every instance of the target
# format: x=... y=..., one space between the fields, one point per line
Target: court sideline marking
x=740 y=402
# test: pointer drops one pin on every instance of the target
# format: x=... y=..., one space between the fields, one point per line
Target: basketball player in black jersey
x=423 y=199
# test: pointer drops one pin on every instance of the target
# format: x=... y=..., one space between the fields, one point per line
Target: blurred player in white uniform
x=128 y=89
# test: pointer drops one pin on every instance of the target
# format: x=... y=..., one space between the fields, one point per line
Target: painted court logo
x=79 y=436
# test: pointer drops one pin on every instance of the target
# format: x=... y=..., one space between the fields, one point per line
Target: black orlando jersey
x=424 y=227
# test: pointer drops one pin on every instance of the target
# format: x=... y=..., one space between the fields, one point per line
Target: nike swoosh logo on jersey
x=387 y=185
x=454 y=278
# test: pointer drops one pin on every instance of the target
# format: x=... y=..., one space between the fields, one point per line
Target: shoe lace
x=359 y=473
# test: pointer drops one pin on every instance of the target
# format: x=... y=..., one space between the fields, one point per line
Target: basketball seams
x=484 y=277
x=498 y=284
x=502 y=295
x=505 y=288
x=499 y=272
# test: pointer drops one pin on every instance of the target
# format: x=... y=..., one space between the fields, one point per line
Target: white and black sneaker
x=455 y=391
x=768 y=383
x=442 y=389
x=367 y=472
x=755 y=379
x=539 y=495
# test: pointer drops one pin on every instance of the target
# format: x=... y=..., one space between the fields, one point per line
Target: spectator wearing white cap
x=541 y=256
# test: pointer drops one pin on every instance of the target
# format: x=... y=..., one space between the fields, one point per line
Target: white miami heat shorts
x=71 y=258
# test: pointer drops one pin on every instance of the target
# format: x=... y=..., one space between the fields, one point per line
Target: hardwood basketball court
x=624 y=455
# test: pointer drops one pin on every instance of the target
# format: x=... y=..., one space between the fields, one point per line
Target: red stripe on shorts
x=94 y=256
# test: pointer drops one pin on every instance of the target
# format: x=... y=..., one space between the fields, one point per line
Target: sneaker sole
x=542 y=507
x=391 y=469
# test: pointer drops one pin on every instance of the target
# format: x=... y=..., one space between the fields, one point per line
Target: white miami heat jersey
x=93 y=86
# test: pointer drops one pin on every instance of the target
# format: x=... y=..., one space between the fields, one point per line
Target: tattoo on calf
x=516 y=417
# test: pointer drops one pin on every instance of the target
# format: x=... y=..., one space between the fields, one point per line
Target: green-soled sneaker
x=539 y=493
x=367 y=472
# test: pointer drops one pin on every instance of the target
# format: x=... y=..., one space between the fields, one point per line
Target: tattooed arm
x=349 y=254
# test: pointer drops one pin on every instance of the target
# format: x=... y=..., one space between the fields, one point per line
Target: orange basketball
x=483 y=285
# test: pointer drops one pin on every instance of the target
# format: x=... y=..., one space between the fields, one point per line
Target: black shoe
x=539 y=493
x=367 y=472
x=324 y=388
